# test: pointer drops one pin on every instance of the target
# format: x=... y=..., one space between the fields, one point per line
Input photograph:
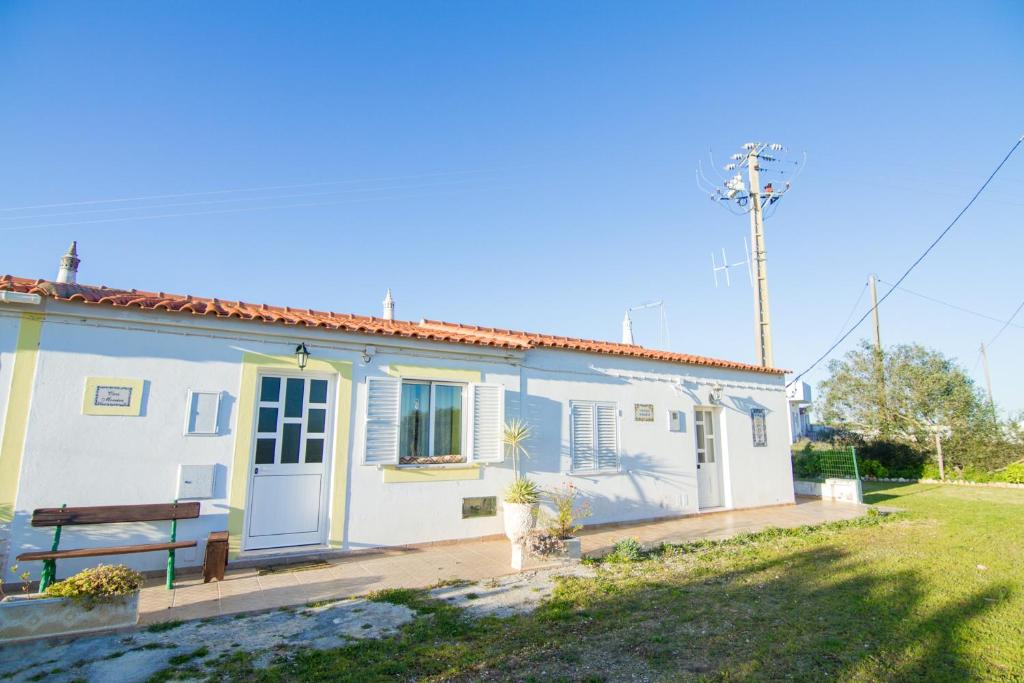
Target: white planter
x=573 y=549
x=23 y=617
x=519 y=519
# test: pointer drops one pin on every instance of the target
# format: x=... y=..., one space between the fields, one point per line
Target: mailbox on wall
x=676 y=421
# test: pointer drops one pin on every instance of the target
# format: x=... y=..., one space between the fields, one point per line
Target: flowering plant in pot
x=564 y=524
x=102 y=597
x=519 y=504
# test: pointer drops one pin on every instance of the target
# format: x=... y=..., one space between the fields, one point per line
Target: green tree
x=900 y=394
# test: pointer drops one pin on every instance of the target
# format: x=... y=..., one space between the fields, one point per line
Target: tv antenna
x=748 y=196
x=726 y=266
x=663 y=334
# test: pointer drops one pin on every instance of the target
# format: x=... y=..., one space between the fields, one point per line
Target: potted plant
x=564 y=525
x=519 y=508
x=102 y=597
x=519 y=504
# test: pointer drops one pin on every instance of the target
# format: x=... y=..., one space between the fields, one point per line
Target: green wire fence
x=832 y=464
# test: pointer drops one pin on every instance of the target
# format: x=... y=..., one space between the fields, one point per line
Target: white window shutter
x=383 y=401
x=607 y=436
x=581 y=428
x=487 y=409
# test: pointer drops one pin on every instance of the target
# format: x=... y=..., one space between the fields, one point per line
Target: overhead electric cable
x=953 y=306
x=916 y=262
x=1006 y=324
x=248 y=189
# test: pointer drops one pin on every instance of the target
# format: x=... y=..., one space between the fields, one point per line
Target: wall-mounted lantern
x=301 y=355
x=715 y=395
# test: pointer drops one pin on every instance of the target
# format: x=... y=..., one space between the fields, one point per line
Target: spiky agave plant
x=517 y=433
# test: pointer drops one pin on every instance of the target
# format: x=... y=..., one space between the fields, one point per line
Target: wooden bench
x=108 y=514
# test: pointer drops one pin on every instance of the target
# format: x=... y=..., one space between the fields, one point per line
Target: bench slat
x=97 y=552
x=109 y=514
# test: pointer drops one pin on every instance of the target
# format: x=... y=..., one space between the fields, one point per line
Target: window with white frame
x=431 y=423
x=594 y=436
x=416 y=422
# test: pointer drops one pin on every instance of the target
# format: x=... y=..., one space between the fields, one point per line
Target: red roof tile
x=428 y=330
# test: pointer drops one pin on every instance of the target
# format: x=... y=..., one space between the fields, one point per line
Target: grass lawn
x=934 y=594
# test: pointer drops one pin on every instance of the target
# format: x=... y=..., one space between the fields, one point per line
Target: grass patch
x=161 y=626
x=876 y=598
x=198 y=653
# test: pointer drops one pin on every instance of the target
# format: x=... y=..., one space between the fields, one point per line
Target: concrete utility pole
x=938 y=453
x=873 y=280
x=762 y=318
x=988 y=378
x=739 y=197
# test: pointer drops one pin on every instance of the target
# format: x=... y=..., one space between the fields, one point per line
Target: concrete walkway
x=245 y=590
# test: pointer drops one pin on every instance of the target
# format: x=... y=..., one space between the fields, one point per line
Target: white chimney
x=389 y=306
x=69 y=265
x=627 y=329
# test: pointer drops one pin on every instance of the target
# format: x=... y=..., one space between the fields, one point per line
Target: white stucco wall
x=92 y=460
x=9 y=324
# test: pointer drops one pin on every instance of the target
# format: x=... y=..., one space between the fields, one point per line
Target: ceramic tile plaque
x=112 y=396
x=760 y=430
x=643 y=412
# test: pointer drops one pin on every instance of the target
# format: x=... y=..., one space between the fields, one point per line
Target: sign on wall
x=643 y=412
x=758 y=425
x=112 y=396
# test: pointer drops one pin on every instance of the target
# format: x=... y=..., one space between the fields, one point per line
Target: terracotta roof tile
x=430 y=330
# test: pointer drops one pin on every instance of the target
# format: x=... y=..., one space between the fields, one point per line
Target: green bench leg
x=170 y=554
x=49 y=572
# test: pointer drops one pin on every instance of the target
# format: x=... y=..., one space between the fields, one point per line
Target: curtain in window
x=447 y=420
x=414 y=441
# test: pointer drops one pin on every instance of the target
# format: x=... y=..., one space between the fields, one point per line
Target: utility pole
x=873 y=280
x=762 y=319
x=988 y=379
x=755 y=199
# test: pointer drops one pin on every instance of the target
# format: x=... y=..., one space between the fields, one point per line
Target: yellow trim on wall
x=252 y=363
x=443 y=374
x=407 y=475
x=134 y=407
x=19 y=400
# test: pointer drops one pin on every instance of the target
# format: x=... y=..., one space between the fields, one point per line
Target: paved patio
x=251 y=589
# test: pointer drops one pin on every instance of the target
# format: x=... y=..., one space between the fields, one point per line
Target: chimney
x=389 y=306
x=627 y=330
x=69 y=265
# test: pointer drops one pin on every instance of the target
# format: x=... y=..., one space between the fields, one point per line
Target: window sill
x=433 y=466
x=592 y=473
x=395 y=474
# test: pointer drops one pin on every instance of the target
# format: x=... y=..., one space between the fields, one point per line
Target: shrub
x=872 y=468
x=899 y=459
x=567 y=512
x=806 y=464
x=928 y=471
x=543 y=543
x=1014 y=473
x=104 y=583
x=627 y=550
x=522 y=491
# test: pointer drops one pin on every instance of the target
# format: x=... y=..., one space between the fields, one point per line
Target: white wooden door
x=290 y=462
x=709 y=466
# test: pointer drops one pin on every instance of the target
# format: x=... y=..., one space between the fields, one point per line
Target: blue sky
x=525 y=165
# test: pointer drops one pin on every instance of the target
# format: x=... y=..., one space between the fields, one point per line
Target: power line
x=916 y=262
x=953 y=306
x=230 y=200
x=854 y=309
x=1006 y=324
x=238 y=210
x=247 y=189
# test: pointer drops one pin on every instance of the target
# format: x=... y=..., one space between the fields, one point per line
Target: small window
x=431 y=423
x=594 y=437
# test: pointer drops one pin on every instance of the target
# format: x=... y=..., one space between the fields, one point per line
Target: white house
x=799 y=396
x=390 y=434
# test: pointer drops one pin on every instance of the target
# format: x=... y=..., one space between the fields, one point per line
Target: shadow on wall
x=644 y=488
x=827 y=615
